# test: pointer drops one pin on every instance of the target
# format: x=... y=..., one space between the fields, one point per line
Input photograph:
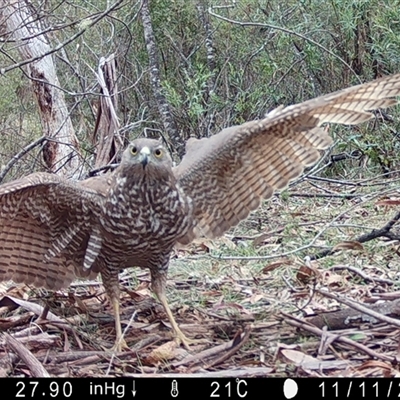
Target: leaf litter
x=254 y=305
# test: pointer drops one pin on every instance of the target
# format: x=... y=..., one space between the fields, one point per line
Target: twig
x=326 y=195
x=75 y=356
x=298 y=323
x=194 y=359
x=91 y=21
x=359 y=307
x=243 y=339
x=236 y=373
x=37 y=369
x=123 y=335
x=290 y=32
x=19 y=155
x=375 y=233
x=93 y=172
x=330 y=180
x=363 y=275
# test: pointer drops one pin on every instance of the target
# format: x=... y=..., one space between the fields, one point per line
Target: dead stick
x=375 y=233
x=18 y=156
x=230 y=373
x=232 y=351
x=363 y=275
x=298 y=323
x=359 y=307
x=204 y=354
x=78 y=355
x=37 y=369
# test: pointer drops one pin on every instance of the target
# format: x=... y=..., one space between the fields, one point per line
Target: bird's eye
x=158 y=152
x=134 y=150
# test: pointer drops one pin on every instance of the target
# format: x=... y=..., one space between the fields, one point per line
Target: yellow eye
x=158 y=152
x=134 y=150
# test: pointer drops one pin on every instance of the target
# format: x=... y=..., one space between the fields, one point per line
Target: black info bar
x=199 y=388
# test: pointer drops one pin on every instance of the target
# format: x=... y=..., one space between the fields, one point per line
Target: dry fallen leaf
x=306 y=273
x=254 y=298
x=334 y=279
x=348 y=245
x=165 y=352
x=297 y=357
x=310 y=363
x=274 y=265
x=388 y=202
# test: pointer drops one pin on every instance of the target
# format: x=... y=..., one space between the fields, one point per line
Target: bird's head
x=147 y=156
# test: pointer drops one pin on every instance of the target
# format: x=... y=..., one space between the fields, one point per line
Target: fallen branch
x=374 y=234
x=345 y=196
x=76 y=356
x=363 y=309
x=238 y=342
x=196 y=358
x=361 y=273
x=348 y=318
x=37 y=369
x=298 y=323
x=235 y=373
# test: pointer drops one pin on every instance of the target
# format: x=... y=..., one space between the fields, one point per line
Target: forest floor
x=253 y=300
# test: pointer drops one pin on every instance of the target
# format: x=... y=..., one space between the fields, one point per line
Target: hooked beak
x=144 y=156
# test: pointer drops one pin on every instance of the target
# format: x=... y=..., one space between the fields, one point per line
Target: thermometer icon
x=174 y=390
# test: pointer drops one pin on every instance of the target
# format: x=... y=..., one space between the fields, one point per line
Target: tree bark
x=106 y=138
x=211 y=62
x=162 y=104
x=61 y=152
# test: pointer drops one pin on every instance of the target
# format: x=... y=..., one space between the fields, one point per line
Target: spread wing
x=228 y=175
x=45 y=226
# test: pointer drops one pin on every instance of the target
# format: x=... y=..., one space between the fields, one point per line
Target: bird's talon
x=120 y=345
x=185 y=341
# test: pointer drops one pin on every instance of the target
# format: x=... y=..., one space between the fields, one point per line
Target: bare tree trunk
x=108 y=142
x=211 y=82
x=163 y=106
x=61 y=154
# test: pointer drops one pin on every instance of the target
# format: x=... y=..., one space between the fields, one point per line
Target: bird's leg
x=111 y=284
x=158 y=281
